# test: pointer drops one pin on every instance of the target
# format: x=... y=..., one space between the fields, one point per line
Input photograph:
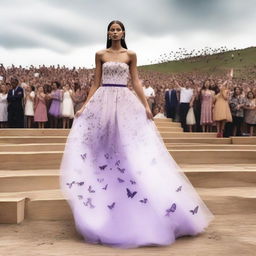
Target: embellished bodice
x=115 y=73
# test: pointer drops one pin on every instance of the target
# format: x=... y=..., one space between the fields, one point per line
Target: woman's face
x=207 y=84
x=115 y=32
x=237 y=91
x=54 y=86
x=3 y=88
x=250 y=95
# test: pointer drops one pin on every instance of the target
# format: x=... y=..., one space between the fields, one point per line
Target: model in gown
x=124 y=188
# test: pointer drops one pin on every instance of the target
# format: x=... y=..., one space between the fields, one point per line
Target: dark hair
x=204 y=87
x=252 y=94
x=58 y=84
x=77 y=86
x=32 y=88
x=234 y=94
x=109 y=41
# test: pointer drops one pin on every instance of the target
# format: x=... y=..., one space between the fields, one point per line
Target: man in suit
x=171 y=102
x=15 y=108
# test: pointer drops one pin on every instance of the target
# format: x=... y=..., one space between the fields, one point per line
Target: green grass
x=244 y=64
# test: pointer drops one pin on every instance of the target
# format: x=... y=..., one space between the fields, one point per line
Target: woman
x=236 y=104
x=250 y=111
x=29 y=104
x=221 y=111
x=67 y=106
x=40 y=108
x=123 y=187
x=55 y=108
x=78 y=97
x=3 y=106
x=207 y=98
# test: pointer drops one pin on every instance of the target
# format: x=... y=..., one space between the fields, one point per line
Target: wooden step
x=244 y=140
x=196 y=140
x=52 y=159
x=207 y=176
x=50 y=204
x=12 y=209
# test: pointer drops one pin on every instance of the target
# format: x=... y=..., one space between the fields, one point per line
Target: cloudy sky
x=68 y=32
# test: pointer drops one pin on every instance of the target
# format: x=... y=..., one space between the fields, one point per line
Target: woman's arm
x=137 y=85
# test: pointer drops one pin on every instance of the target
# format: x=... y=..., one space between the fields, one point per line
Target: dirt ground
x=226 y=235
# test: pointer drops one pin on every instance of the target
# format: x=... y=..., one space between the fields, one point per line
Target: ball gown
x=123 y=187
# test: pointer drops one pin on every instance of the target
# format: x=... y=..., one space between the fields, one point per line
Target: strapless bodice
x=115 y=73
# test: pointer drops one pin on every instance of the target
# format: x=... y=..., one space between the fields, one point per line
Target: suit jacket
x=15 y=101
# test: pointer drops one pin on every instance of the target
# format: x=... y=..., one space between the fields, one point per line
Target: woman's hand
x=149 y=113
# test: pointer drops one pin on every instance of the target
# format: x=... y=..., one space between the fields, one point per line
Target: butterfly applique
x=132 y=182
x=120 y=180
x=178 y=189
x=83 y=156
x=144 y=201
x=111 y=206
x=103 y=167
x=117 y=163
x=107 y=156
x=195 y=210
x=105 y=187
x=130 y=194
x=91 y=190
x=89 y=203
x=80 y=197
x=81 y=183
x=171 y=209
x=100 y=180
x=121 y=170
x=70 y=184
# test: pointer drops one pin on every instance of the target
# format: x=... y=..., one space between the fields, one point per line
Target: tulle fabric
x=124 y=188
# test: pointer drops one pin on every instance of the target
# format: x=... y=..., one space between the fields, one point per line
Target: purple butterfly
x=120 y=180
x=111 y=206
x=103 y=167
x=100 y=180
x=105 y=187
x=133 y=182
x=70 y=184
x=130 y=194
x=117 y=163
x=144 y=200
x=91 y=190
x=195 y=210
x=178 y=189
x=172 y=209
x=80 y=183
x=83 y=156
x=121 y=170
x=107 y=156
x=89 y=202
x=80 y=197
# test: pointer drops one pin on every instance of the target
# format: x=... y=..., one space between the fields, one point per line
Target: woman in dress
x=124 y=188
x=207 y=98
x=29 y=104
x=3 y=106
x=250 y=111
x=67 y=106
x=40 y=109
x=55 y=108
x=78 y=97
x=221 y=110
x=236 y=104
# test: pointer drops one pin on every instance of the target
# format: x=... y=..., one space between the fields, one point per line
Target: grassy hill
x=243 y=63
